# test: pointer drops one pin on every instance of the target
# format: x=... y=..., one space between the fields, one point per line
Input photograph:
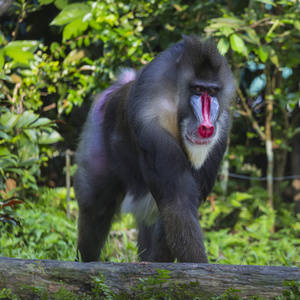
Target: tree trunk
x=280 y=158
x=270 y=153
x=295 y=167
x=186 y=280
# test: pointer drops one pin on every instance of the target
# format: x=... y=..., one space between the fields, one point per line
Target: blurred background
x=56 y=55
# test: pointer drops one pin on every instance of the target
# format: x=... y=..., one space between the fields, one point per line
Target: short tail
x=126 y=75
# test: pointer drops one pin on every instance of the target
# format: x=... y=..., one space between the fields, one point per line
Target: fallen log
x=185 y=280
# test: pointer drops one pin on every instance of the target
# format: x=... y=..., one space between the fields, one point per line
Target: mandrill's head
x=206 y=88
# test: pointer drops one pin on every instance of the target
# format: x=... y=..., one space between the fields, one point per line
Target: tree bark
x=295 y=167
x=280 y=158
x=213 y=280
x=270 y=153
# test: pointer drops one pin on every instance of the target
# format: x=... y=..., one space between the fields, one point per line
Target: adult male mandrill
x=152 y=146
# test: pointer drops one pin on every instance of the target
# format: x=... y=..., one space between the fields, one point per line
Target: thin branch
x=249 y=115
x=19 y=21
x=14 y=96
x=150 y=49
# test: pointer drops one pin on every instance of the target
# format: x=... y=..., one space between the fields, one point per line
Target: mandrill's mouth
x=194 y=139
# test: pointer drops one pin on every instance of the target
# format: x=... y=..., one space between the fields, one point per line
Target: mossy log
x=186 y=280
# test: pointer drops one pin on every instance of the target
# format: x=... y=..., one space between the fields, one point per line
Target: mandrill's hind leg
x=152 y=243
x=145 y=241
x=98 y=202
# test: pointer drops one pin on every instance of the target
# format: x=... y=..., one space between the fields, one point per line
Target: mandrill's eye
x=197 y=90
x=212 y=91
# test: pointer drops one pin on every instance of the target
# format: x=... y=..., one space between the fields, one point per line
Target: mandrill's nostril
x=205 y=131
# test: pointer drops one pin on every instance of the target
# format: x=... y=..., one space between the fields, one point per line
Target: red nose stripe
x=206 y=129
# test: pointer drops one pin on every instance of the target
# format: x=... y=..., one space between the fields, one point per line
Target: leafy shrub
x=21 y=147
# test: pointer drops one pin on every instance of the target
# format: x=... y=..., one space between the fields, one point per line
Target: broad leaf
x=21 y=51
x=45 y=2
x=70 y=13
x=263 y=54
x=75 y=28
x=223 y=45
x=60 y=4
x=9 y=120
x=4 y=151
x=46 y=138
x=25 y=46
x=2 y=60
x=237 y=43
x=232 y=22
x=252 y=35
x=40 y=122
x=26 y=119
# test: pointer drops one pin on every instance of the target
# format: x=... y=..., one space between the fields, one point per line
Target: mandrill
x=152 y=146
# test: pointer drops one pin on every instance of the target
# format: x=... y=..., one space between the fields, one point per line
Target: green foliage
x=99 y=37
x=230 y=294
x=262 y=42
x=294 y=290
x=101 y=290
x=7 y=294
x=21 y=147
x=64 y=72
x=44 y=232
x=238 y=231
x=152 y=286
x=266 y=44
x=62 y=294
x=20 y=53
x=7 y=213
